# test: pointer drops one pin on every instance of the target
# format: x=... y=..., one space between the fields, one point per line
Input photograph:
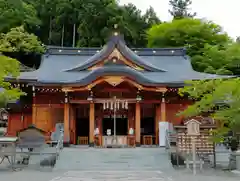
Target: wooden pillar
x=66 y=123
x=138 y=124
x=91 y=124
x=100 y=125
x=157 y=119
x=163 y=108
x=34 y=108
x=73 y=125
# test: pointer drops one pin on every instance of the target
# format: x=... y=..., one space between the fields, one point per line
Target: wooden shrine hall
x=100 y=93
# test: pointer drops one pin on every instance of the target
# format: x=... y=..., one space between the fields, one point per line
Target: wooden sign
x=193 y=127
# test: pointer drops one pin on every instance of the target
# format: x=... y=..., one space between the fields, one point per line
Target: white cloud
x=224 y=13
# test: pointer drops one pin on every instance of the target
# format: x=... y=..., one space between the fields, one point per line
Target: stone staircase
x=113 y=159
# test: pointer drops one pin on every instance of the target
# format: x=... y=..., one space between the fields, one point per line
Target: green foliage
x=15 y=41
x=9 y=67
x=94 y=21
x=220 y=96
x=238 y=39
x=180 y=9
x=217 y=59
x=191 y=33
x=18 y=40
x=15 y=13
x=210 y=49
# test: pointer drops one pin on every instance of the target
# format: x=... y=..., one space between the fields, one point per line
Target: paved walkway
x=148 y=164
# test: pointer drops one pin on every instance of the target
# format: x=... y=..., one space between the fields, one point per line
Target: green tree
x=18 y=40
x=89 y=22
x=194 y=34
x=8 y=67
x=219 y=60
x=180 y=9
x=15 y=13
x=151 y=17
x=238 y=39
x=220 y=97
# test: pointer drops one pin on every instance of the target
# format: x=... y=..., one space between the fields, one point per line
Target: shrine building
x=101 y=92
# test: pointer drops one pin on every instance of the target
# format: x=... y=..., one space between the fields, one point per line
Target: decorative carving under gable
x=114 y=81
x=119 y=58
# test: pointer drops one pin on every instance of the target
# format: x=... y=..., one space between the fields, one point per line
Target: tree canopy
x=16 y=13
x=220 y=97
x=211 y=50
x=89 y=22
x=17 y=40
x=180 y=9
x=9 y=67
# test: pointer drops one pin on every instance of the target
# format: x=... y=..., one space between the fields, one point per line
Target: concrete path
x=136 y=164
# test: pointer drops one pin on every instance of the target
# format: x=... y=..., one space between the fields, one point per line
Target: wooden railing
x=82 y=140
x=149 y=140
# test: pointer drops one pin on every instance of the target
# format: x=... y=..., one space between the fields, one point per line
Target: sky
x=222 y=12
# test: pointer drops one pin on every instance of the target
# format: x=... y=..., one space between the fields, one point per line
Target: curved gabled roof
x=119 y=43
x=117 y=71
x=69 y=66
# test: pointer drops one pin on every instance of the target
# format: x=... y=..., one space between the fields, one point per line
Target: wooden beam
x=78 y=101
x=34 y=110
x=157 y=119
x=114 y=90
x=101 y=100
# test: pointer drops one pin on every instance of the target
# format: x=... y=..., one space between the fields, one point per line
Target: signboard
x=108 y=132
x=193 y=127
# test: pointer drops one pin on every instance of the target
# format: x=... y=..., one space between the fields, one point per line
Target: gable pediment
x=116 y=58
x=116 y=51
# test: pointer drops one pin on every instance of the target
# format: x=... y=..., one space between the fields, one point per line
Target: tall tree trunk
x=50 y=31
x=74 y=35
x=62 y=41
